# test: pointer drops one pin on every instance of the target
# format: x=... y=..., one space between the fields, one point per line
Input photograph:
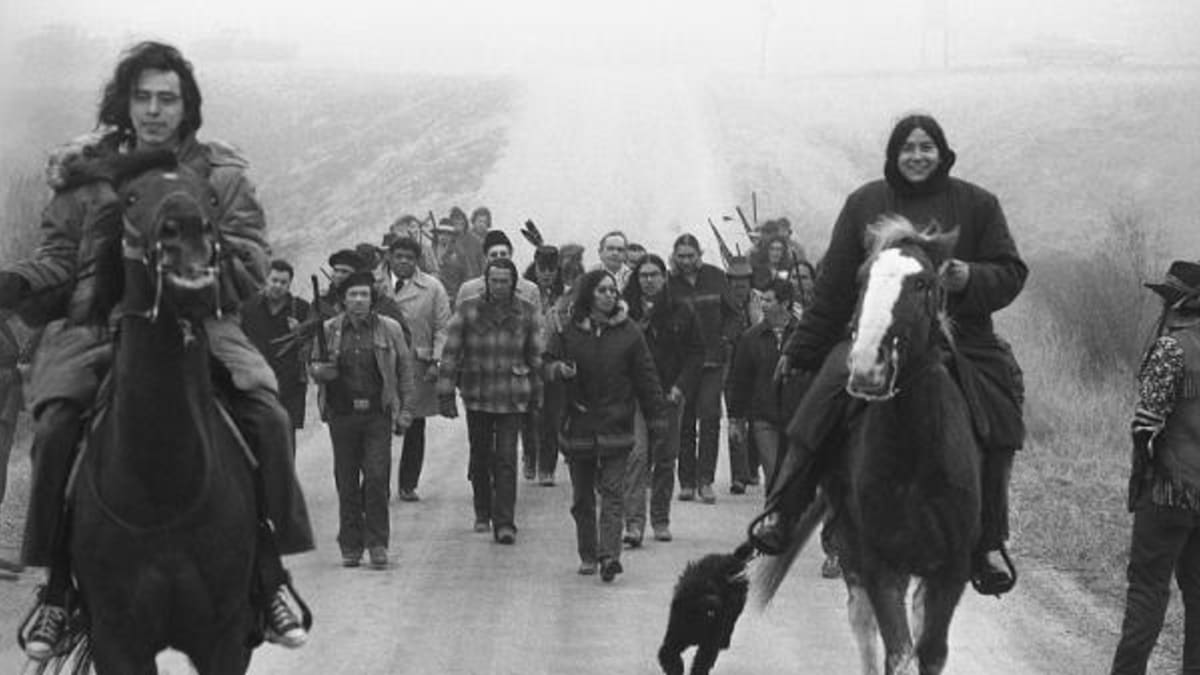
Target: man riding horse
x=152 y=102
x=984 y=276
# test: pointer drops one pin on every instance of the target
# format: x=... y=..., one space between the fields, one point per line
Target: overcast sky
x=524 y=35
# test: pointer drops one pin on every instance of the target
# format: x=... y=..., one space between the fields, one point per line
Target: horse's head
x=170 y=214
x=900 y=305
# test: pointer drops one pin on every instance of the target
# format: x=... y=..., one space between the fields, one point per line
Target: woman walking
x=607 y=371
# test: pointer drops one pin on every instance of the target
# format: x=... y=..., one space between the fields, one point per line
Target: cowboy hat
x=1182 y=282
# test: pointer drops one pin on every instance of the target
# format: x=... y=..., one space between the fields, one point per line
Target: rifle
x=726 y=254
x=322 y=346
x=750 y=232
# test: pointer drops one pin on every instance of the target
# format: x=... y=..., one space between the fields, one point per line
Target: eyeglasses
x=611 y=290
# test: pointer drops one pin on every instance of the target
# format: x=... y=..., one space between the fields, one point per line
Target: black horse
x=907 y=492
x=163 y=526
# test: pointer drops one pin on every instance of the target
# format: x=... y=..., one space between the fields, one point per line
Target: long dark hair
x=556 y=287
x=633 y=291
x=114 y=104
x=585 y=293
x=900 y=133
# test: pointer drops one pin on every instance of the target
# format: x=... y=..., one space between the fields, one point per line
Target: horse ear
x=941 y=245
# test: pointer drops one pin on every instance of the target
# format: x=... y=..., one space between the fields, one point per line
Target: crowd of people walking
x=620 y=369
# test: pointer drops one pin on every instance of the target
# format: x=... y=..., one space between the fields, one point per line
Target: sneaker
x=408 y=495
x=546 y=479
x=609 y=569
x=379 y=558
x=662 y=533
x=633 y=536
x=483 y=525
x=283 y=628
x=707 y=495
x=687 y=494
x=530 y=472
x=831 y=568
x=46 y=633
x=506 y=534
x=587 y=567
x=753 y=480
x=737 y=488
x=351 y=559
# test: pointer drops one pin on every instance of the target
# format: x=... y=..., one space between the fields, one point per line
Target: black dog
x=708 y=600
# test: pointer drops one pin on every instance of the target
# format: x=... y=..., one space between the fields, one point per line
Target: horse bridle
x=153 y=260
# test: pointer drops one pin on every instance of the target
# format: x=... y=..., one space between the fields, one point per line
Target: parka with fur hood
x=614 y=373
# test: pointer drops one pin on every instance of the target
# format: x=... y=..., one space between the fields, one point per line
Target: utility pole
x=936 y=23
x=767 y=11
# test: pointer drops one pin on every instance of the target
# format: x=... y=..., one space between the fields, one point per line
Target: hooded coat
x=997 y=275
x=614 y=373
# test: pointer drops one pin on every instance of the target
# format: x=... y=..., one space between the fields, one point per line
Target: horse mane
x=892 y=230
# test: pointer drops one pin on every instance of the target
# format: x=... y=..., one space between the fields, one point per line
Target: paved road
x=454 y=602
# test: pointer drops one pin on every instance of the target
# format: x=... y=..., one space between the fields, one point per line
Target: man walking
x=703 y=287
x=273 y=314
x=366 y=394
x=423 y=303
x=493 y=354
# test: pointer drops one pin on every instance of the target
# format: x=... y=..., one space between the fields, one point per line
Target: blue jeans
x=492 y=469
x=1164 y=542
x=651 y=466
x=362 y=459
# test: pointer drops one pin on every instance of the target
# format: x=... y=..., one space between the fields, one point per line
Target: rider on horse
x=984 y=276
x=151 y=103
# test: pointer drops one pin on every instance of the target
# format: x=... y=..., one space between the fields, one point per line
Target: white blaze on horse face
x=884 y=283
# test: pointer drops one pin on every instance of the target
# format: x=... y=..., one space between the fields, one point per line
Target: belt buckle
x=362 y=404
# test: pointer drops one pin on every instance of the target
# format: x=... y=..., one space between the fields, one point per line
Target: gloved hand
x=13 y=289
x=447 y=406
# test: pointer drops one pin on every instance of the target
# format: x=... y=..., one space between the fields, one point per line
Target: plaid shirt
x=493 y=353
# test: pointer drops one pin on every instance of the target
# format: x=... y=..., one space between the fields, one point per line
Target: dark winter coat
x=750 y=390
x=709 y=298
x=673 y=335
x=614 y=373
x=997 y=275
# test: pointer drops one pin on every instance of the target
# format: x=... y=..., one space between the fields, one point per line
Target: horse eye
x=921 y=284
x=131 y=199
x=212 y=200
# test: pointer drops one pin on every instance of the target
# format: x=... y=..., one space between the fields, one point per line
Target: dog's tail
x=769 y=574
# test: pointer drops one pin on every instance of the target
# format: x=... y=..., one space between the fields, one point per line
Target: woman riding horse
x=984 y=276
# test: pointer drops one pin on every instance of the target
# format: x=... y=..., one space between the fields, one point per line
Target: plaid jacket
x=493 y=353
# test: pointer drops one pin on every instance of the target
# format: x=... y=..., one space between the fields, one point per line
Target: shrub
x=1097 y=300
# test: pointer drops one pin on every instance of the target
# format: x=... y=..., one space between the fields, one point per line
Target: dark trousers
x=56 y=435
x=412 y=456
x=698 y=455
x=597 y=538
x=362 y=460
x=650 y=466
x=268 y=429
x=492 y=468
x=1164 y=541
x=541 y=457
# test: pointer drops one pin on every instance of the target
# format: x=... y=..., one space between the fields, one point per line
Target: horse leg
x=941 y=598
x=916 y=610
x=112 y=656
x=888 y=591
x=863 y=625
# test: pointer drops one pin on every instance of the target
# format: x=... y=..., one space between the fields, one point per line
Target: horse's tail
x=768 y=575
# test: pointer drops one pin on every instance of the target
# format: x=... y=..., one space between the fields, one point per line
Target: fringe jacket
x=1166 y=423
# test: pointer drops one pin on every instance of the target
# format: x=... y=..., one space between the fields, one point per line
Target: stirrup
x=754 y=533
x=992 y=586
